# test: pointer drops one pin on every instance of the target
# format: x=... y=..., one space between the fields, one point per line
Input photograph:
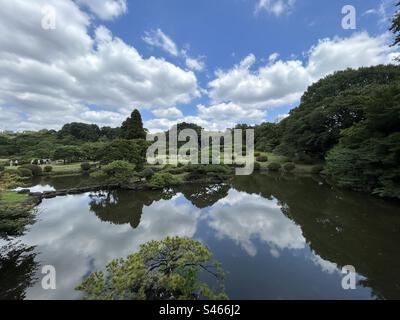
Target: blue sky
x=223 y=32
x=216 y=62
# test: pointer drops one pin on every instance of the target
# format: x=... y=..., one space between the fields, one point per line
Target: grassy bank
x=59 y=169
x=16 y=212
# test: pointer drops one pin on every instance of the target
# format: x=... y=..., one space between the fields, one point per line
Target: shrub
x=257 y=166
x=289 y=166
x=25 y=172
x=304 y=158
x=120 y=171
x=85 y=166
x=197 y=168
x=147 y=173
x=180 y=165
x=317 y=169
x=160 y=270
x=162 y=180
x=262 y=158
x=1 y=168
x=274 y=166
x=35 y=169
x=48 y=169
x=217 y=168
x=176 y=170
x=257 y=154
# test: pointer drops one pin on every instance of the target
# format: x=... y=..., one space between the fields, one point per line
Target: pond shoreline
x=37 y=197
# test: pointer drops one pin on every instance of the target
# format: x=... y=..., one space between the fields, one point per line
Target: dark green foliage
x=48 y=169
x=91 y=150
x=132 y=127
x=395 y=27
x=368 y=155
x=85 y=166
x=1 y=168
x=289 y=166
x=110 y=133
x=160 y=270
x=267 y=137
x=273 y=166
x=147 y=173
x=24 y=172
x=35 y=169
x=257 y=166
x=116 y=172
x=133 y=151
x=262 y=159
x=80 y=131
x=68 y=153
x=317 y=169
x=163 y=180
x=204 y=169
x=330 y=106
x=257 y=154
x=15 y=213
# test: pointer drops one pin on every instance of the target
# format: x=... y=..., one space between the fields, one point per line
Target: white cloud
x=50 y=77
x=195 y=64
x=164 y=124
x=273 y=57
x=276 y=7
x=169 y=113
x=105 y=9
x=264 y=222
x=157 y=38
x=230 y=112
x=282 y=83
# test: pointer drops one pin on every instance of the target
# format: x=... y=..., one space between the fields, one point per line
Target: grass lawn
x=60 y=168
x=10 y=198
x=300 y=168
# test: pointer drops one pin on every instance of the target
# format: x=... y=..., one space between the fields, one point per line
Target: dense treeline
x=78 y=142
x=351 y=119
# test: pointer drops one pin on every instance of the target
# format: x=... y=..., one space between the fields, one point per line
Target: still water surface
x=277 y=237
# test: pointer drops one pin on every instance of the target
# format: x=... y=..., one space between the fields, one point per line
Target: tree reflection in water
x=343 y=227
x=17 y=270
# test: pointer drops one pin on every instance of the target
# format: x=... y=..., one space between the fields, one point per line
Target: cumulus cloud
x=168 y=113
x=50 y=77
x=264 y=222
x=164 y=124
x=275 y=7
x=280 y=83
x=105 y=9
x=230 y=111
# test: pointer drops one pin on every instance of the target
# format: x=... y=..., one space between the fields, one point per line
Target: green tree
x=395 y=28
x=80 y=131
x=68 y=153
x=160 y=270
x=132 y=127
x=367 y=157
x=133 y=151
x=330 y=106
x=119 y=171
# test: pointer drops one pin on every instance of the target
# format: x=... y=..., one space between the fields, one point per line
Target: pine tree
x=132 y=127
x=395 y=28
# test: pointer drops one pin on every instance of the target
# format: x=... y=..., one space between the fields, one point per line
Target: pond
x=277 y=237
